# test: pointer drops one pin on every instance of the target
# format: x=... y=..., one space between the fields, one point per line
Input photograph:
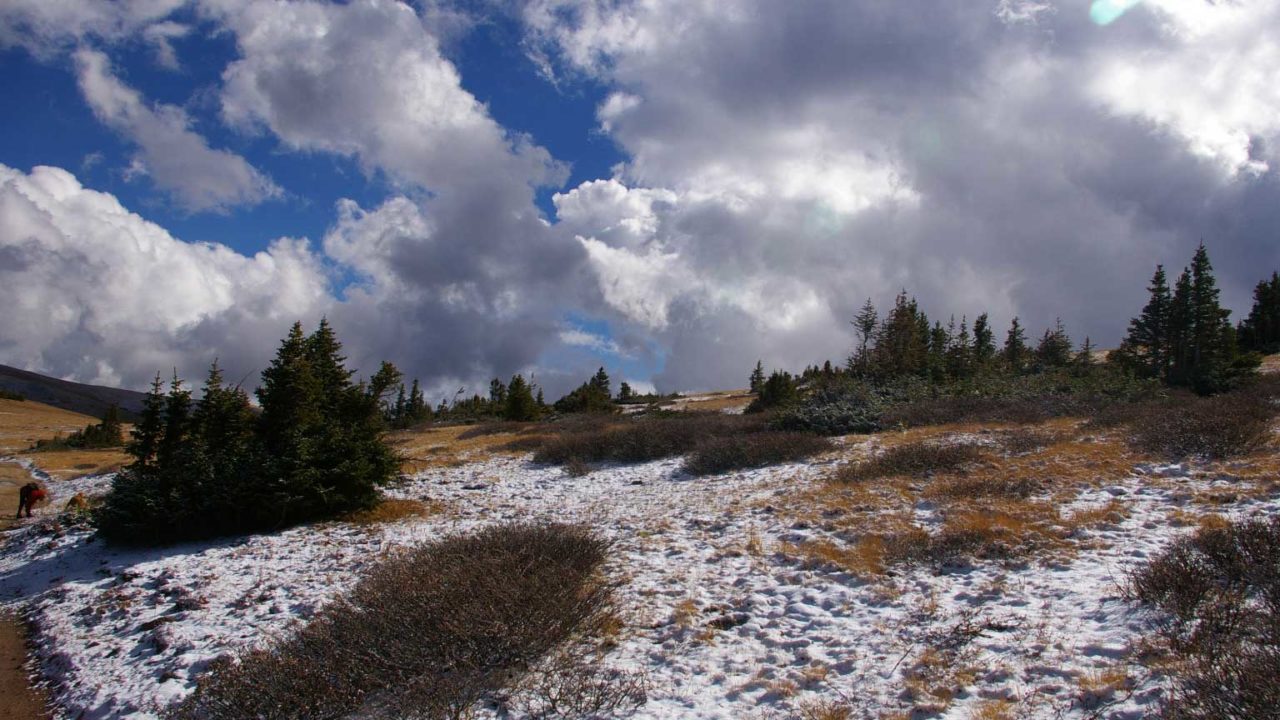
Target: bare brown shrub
x=1220 y=592
x=914 y=459
x=425 y=634
x=759 y=449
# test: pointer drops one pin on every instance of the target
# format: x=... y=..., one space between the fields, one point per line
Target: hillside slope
x=78 y=397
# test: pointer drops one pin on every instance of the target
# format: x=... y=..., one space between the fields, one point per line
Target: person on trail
x=28 y=496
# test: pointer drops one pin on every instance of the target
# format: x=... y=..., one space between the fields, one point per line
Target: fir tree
x=625 y=393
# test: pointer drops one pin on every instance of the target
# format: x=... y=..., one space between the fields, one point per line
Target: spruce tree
x=960 y=352
x=1146 y=349
x=177 y=424
x=1015 y=352
x=601 y=383
x=984 y=344
x=149 y=430
x=1181 y=331
x=757 y=377
x=1260 y=331
x=865 y=324
x=625 y=393
x=1213 y=339
x=520 y=405
x=1054 y=350
x=497 y=395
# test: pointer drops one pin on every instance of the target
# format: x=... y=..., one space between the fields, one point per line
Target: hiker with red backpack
x=28 y=496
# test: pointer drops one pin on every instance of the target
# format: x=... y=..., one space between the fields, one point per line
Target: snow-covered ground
x=723 y=623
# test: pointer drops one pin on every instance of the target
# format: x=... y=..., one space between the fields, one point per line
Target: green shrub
x=11 y=395
x=752 y=450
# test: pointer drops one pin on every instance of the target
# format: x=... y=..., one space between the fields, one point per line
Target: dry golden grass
x=684 y=613
x=394 y=510
x=825 y=710
x=717 y=402
x=436 y=447
x=1271 y=364
x=67 y=464
x=22 y=422
x=993 y=710
x=1004 y=508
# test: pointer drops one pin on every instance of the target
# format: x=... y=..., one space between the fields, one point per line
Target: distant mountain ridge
x=78 y=397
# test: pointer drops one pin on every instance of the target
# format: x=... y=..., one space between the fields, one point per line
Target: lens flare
x=1105 y=12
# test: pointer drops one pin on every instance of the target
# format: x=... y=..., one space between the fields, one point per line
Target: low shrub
x=11 y=395
x=427 y=634
x=1219 y=592
x=493 y=428
x=1216 y=427
x=915 y=459
x=1028 y=440
x=758 y=449
x=644 y=439
x=862 y=406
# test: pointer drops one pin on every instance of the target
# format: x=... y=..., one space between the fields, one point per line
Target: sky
x=671 y=189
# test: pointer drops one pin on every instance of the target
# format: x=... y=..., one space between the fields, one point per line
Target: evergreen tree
x=177 y=422
x=939 y=342
x=1054 y=350
x=399 y=411
x=960 y=351
x=1260 y=331
x=497 y=394
x=757 y=377
x=984 y=344
x=1084 y=358
x=520 y=404
x=902 y=340
x=289 y=398
x=1146 y=349
x=778 y=390
x=625 y=393
x=418 y=410
x=324 y=353
x=1015 y=352
x=1180 y=331
x=865 y=324
x=1213 y=339
x=601 y=383
x=223 y=419
x=149 y=430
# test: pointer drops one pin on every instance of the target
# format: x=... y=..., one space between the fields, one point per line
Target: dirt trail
x=20 y=700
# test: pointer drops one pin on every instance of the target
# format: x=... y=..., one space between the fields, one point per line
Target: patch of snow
x=121 y=632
